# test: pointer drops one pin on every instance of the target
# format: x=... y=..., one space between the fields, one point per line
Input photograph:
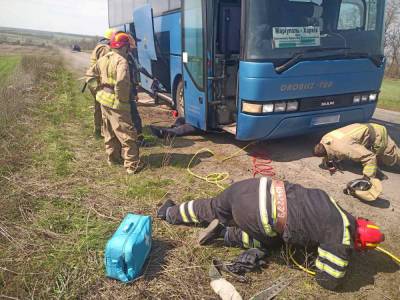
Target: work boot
x=162 y=211
x=114 y=162
x=157 y=131
x=212 y=232
x=132 y=171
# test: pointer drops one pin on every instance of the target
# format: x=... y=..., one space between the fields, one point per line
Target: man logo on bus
x=328 y=103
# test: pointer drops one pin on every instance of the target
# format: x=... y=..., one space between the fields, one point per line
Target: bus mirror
x=185 y=57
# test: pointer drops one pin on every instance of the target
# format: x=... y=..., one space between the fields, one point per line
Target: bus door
x=194 y=62
x=144 y=28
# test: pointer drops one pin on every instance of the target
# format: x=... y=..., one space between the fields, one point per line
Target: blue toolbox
x=128 y=249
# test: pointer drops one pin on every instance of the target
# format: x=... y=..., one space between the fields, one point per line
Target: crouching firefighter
x=110 y=78
x=263 y=213
x=367 y=144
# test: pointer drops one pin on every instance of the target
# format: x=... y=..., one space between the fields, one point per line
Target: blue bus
x=261 y=69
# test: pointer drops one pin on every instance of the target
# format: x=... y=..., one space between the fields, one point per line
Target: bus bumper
x=284 y=125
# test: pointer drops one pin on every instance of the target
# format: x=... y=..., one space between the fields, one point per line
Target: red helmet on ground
x=368 y=235
x=119 y=40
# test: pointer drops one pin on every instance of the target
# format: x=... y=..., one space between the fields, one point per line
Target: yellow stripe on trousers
x=191 y=212
x=183 y=213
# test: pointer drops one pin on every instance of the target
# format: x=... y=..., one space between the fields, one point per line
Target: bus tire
x=180 y=99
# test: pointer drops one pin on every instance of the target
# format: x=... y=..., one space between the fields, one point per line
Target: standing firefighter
x=102 y=48
x=262 y=213
x=135 y=69
x=110 y=78
x=364 y=143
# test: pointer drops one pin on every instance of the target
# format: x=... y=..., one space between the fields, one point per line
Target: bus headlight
x=292 y=106
x=280 y=106
x=252 y=108
x=373 y=97
x=268 y=108
x=364 y=98
x=357 y=99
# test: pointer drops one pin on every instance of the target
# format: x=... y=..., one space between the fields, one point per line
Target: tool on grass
x=84 y=87
x=222 y=287
x=274 y=290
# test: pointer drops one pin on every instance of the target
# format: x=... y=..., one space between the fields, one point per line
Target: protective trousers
x=391 y=155
x=237 y=208
x=97 y=117
x=120 y=137
x=136 y=119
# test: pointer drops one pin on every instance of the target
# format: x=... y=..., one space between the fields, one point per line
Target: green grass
x=7 y=66
x=63 y=202
x=390 y=95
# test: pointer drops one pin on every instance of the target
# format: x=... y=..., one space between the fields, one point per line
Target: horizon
x=47 y=31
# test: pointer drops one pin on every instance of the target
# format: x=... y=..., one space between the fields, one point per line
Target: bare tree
x=392 y=37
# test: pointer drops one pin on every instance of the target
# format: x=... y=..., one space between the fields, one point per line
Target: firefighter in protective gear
x=262 y=213
x=110 y=78
x=102 y=48
x=364 y=143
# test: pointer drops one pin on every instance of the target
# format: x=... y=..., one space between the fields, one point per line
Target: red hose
x=262 y=165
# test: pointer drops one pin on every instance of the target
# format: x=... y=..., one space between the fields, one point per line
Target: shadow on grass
x=364 y=269
x=156 y=263
x=178 y=160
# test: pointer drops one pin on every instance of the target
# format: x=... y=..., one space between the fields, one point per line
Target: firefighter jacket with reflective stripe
x=99 y=51
x=357 y=143
x=313 y=220
x=110 y=77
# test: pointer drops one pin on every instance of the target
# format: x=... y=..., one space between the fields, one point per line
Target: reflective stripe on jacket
x=111 y=71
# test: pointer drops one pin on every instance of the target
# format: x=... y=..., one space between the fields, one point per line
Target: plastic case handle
x=127 y=227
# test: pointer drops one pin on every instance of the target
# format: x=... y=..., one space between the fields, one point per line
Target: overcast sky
x=71 y=16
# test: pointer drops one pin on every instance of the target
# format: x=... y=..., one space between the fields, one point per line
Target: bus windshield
x=278 y=30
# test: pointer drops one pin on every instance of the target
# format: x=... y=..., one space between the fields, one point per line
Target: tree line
x=392 y=38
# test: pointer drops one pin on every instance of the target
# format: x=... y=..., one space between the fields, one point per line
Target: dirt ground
x=373 y=274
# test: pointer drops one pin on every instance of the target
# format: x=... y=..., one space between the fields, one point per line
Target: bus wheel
x=180 y=99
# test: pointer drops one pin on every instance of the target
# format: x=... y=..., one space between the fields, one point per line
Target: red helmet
x=368 y=235
x=119 y=40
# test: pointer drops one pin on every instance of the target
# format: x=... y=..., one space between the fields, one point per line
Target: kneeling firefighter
x=364 y=143
x=263 y=213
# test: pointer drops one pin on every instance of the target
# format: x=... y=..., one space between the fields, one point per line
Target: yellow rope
x=394 y=257
x=215 y=178
x=312 y=273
